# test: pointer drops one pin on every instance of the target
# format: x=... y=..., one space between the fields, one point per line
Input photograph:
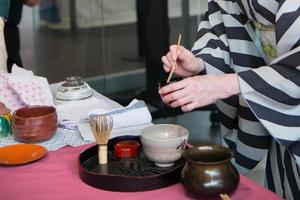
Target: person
x=153 y=32
x=4 y=7
x=249 y=51
x=11 y=31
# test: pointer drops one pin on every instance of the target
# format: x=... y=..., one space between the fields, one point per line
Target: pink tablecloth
x=56 y=177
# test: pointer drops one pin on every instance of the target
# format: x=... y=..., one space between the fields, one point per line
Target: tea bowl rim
x=162 y=83
x=53 y=111
x=143 y=135
x=210 y=146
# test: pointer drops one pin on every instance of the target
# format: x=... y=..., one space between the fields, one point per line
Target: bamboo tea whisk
x=101 y=126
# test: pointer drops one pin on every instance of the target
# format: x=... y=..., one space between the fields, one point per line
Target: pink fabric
x=56 y=177
x=8 y=96
x=21 y=88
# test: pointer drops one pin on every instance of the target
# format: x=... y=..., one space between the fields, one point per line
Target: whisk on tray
x=101 y=126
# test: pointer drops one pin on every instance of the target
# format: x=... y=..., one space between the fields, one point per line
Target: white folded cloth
x=87 y=134
x=129 y=120
x=74 y=111
x=134 y=114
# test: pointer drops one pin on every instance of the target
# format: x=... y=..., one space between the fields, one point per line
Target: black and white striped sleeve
x=211 y=44
x=273 y=92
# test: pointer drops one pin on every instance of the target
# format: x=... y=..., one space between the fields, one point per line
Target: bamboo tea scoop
x=101 y=126
x=174 y=65
x=225 y=197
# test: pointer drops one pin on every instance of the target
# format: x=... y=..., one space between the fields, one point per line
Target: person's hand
x=30 y=2
x=199 y=91
x=3 y=109
x=187 y=63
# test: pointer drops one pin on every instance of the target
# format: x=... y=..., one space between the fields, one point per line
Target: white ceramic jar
x=73 y=89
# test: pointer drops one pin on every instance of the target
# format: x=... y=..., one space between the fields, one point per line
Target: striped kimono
x=265 y=118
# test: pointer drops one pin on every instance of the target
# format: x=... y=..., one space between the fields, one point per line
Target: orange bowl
x=34 y=123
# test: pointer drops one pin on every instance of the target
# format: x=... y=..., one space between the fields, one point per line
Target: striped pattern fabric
x=265 y=118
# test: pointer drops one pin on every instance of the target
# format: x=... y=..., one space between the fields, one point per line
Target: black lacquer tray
x=126 y=175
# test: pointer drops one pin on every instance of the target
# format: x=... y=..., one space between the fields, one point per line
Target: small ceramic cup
x=164 y=143
x=126 y=149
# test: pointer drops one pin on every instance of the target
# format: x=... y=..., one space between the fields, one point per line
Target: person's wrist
x=198 y=66
x=230 y=85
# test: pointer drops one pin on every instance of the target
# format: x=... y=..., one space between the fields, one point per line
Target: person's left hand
x=199 y=91
x=30 y=2
x=3 y=109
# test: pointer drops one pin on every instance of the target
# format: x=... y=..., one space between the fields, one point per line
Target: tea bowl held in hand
x=164 y=143
x=164 y=82
x=209 y=172
x=34 y=123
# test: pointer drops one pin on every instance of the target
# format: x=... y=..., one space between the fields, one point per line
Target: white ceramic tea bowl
x=164 y=143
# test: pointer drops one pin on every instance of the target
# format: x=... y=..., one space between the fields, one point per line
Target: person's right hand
x=187 y=63
x=30 y=3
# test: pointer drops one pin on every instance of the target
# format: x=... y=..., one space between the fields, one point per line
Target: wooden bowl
x=34 y=123
x=126 y=175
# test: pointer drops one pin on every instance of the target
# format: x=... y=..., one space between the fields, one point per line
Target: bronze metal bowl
x=34 y=123
x=209 y=172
